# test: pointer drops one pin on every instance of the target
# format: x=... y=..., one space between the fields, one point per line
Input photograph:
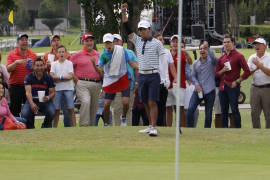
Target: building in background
x=32 y=6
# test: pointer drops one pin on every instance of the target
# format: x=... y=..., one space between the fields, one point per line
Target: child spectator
x=62 y=73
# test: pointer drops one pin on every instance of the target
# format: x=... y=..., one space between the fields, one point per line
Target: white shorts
x=217 y=107
x=171 y=99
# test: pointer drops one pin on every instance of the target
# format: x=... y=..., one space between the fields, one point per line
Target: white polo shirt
x=164 y=61
x=259 y=77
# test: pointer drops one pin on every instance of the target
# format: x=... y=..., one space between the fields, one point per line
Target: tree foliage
x=243 y=9
x=6 y=6
x=105 y=13
x=238 y=12
x=51 y=11
x=21 y=16
x=52 y=23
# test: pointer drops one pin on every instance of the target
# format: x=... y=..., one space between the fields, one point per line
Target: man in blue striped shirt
x=148 y=51
x=203 y=77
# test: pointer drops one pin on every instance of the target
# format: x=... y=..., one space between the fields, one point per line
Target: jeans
x=22 y=120
x=67 y=96
x=209 y=100
x=67 y=119
x=47 y=109
x=229 y=96
x=64 y=107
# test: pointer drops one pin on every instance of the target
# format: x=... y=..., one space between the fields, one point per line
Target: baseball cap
x=86 y=36
x=117 y=36
x=174 y=36
x=144 y=24
x=259 y=41
x=20 y=36
x=108 y=37
x=55 y=36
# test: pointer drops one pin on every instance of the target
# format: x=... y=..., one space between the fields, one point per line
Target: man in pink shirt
x=228 y=69
x=87 y=80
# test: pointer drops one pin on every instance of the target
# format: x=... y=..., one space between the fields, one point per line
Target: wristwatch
x=238 y=81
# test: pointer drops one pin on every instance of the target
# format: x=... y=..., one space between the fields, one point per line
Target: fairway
x=118 y=153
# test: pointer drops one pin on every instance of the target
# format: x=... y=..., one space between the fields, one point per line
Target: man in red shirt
x=171 y=99
x=228 y=69
x=51 y=56
x=18 y=62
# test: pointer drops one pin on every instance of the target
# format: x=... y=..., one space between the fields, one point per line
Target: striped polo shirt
x=148 y=52
x=18 y=74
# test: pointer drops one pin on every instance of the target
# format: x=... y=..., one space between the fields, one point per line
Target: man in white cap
x=148 y=50
x=113 y=62
x=117 y=104
x=259 y=65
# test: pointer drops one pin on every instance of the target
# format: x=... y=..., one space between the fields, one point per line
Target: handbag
x=8 y=124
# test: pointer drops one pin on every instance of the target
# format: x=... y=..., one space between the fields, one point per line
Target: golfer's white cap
x=144 y=24
x=174 y=36
x=108 y=37
x=259 y=41
x=117 y=36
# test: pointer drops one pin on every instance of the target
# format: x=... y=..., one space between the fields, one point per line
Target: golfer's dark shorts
x=111 y=96
x=149 y=87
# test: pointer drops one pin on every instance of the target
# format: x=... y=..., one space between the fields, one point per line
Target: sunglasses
x=141 y=29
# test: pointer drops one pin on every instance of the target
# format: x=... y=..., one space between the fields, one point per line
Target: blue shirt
x=131 y=74
x=188 y=71
x=203 y=74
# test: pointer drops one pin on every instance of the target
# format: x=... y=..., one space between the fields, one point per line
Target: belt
x=150 y=71
x=92 y=80
x=262 y=86
x=16 y=85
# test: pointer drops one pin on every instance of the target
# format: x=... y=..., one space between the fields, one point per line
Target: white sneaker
x=153 y=132
x=145 y=131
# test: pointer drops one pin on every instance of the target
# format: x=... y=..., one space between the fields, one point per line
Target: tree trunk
x=88 y=7
x=134 y=8
x=108 y=10
x=233 y=17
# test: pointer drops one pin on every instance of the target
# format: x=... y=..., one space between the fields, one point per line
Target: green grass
x=121 y=153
